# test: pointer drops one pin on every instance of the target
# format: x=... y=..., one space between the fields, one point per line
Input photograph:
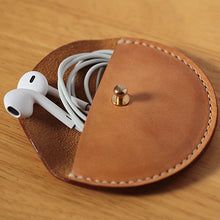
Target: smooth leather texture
x=169 y=121
x=164 y=123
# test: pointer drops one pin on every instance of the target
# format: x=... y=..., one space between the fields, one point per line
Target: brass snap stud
x=120 y=96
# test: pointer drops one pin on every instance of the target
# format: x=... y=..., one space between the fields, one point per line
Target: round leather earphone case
x=167 y=123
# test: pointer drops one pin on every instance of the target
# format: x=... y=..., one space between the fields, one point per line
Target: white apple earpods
x=33 y=88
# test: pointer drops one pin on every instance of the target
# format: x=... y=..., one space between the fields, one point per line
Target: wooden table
x=29 y=30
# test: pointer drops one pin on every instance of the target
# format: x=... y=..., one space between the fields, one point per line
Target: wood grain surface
x=29 y=30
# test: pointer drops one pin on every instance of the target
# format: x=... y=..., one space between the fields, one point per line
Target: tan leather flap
x=157 y=133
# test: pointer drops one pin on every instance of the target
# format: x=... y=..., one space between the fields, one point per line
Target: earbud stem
x=53 y=109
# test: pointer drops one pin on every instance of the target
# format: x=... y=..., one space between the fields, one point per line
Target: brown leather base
x=171 y=117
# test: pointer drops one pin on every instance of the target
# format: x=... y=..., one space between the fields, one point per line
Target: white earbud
x=36 y=81
x=19 y=103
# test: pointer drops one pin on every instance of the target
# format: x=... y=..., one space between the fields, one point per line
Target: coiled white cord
x=76 y=107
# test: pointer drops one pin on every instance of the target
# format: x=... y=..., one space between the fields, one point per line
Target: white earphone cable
x=96 y=61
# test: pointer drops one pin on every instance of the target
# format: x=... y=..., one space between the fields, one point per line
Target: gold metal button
x=120 y=96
